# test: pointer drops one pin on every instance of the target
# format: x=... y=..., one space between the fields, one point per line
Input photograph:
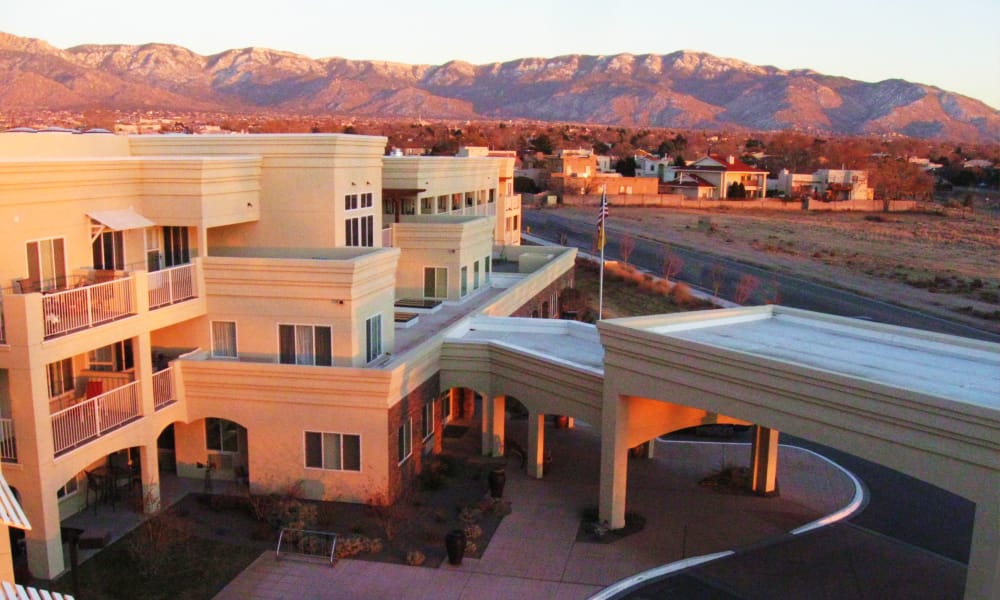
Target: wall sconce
x=249 y=204
x=336 y=301
x=352 y=183
x=451 y=251
x=368 y=183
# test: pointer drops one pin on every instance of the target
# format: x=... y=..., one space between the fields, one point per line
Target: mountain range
x=684 y=90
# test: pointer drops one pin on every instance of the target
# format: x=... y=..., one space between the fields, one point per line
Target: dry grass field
x=945 y=261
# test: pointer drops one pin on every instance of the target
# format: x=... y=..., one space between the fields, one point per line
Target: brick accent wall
x=546 y=299
x=411 y=406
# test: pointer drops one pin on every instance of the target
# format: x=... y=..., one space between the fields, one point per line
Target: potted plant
x=454 y=543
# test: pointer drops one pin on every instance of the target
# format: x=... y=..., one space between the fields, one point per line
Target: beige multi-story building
x=259 y=308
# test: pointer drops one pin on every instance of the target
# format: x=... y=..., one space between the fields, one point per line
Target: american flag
x=602 y=215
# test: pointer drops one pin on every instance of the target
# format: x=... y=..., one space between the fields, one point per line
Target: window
x=475 y=275
x=487 y=268
x=333 y=451
x=116 y=357
x=408 y=206
x=350 y=202
x=60 y=375
x=465 y=280
x=373 y=336
x=405 y=440
x=545 y=309
x=152 y=235
x=442 y=204
x=71 y=487
x=445 y=407
x=176 y=250
x=470 y=198
x=426 y=206
x=304 y=345
x=428 y=419
x=360 y=231
x=109 y=251
x=47 y=264
x=367 y=200
x=456 y=201
x=492 y=196
x=221 y=435
x=224 y=339
x=435 y=282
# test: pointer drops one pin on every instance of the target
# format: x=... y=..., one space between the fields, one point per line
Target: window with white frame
x=426 y=206
x=116 y=357
x=360 y=231
x=445 y=407
x=224 y=339
x=46 y=264
x=487 y=268
x=464 y=281
x=442 y=204
x=350 y=202
x=435 y=282
x=475 y=275
x=305 y=345
x=109 y=250
x=404 y=438
x=428 y=424
x=333 y=451
x=222 y=436
x=60 y=376
x=367 y=200
x=69 y=488
x=373 y=337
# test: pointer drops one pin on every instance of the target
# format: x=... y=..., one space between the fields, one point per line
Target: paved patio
x=535 y=553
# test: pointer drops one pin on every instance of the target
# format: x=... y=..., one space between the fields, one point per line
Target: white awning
x=10 y=509
x=13 y=591
x=120 y=220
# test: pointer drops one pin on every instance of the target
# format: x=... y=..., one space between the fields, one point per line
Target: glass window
x=465 y=281
x=475 y=275
x=60 y=375
x=46 y=265
x=487 y=267
x=333 y=451
x=435 y=282
x=221 y=435
x=428 y=423
x=176 y=249
x=405 y=440
x=304 y=345
x=109 y=251
x=373 y=336
x=224 y=339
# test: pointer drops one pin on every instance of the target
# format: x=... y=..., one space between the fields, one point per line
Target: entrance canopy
x=120 y=220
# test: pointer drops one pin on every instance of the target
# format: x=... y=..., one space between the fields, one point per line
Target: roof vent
x=731 y=159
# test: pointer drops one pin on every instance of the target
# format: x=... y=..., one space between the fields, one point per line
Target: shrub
x=682 y=294
x=415 y=558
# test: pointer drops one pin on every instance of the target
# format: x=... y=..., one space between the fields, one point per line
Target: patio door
x=47 y=264
x=176 y=248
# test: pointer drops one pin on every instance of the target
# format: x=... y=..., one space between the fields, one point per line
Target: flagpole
x=600 y=242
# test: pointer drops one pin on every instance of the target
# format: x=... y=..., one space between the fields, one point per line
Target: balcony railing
x=86 y=307
x=163 y=388
x=172 y=285
x=8 y=445
x=3 y=331
x=89 y=420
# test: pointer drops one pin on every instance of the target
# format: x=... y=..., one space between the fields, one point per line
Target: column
x=614 y=461
x=43 y=541
x=493 y=422
x=536 y=445
x=983 y=575
x=6 y=555
x=764 y=461
x=149 y=461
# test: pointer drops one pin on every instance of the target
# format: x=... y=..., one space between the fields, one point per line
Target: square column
x=764 y=461
x=536 y=445
x=614 y=461
x=149 y=461
x=494 y=421
x=983 y=575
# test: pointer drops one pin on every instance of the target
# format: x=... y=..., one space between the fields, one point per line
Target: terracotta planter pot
x=454 y=543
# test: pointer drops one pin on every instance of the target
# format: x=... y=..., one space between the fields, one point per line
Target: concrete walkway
x=535 y=553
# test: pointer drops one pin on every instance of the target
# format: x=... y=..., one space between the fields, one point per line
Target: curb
x=624 y=585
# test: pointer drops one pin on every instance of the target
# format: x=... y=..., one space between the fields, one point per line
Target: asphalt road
x=703 y=270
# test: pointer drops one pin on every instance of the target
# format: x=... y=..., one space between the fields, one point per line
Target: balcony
x=163 y=388
x=172 y=285
x=8 y=444
x=81 y=423
x=3 y=331
x=86 y=307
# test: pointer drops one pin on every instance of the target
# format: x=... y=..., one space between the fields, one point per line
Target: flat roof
x=936 y=365
x=548 y=339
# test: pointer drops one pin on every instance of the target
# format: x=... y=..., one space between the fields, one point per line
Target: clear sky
x=951 y=44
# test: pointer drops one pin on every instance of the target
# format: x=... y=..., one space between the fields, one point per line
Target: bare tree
x=717 y=274
x=747 y=285
x=672 y=265
x=626 y=247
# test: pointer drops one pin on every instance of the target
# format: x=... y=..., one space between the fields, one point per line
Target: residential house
x=825 y=184
x=728 y=177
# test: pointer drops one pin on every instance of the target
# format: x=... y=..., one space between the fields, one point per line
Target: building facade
x=262 y=309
